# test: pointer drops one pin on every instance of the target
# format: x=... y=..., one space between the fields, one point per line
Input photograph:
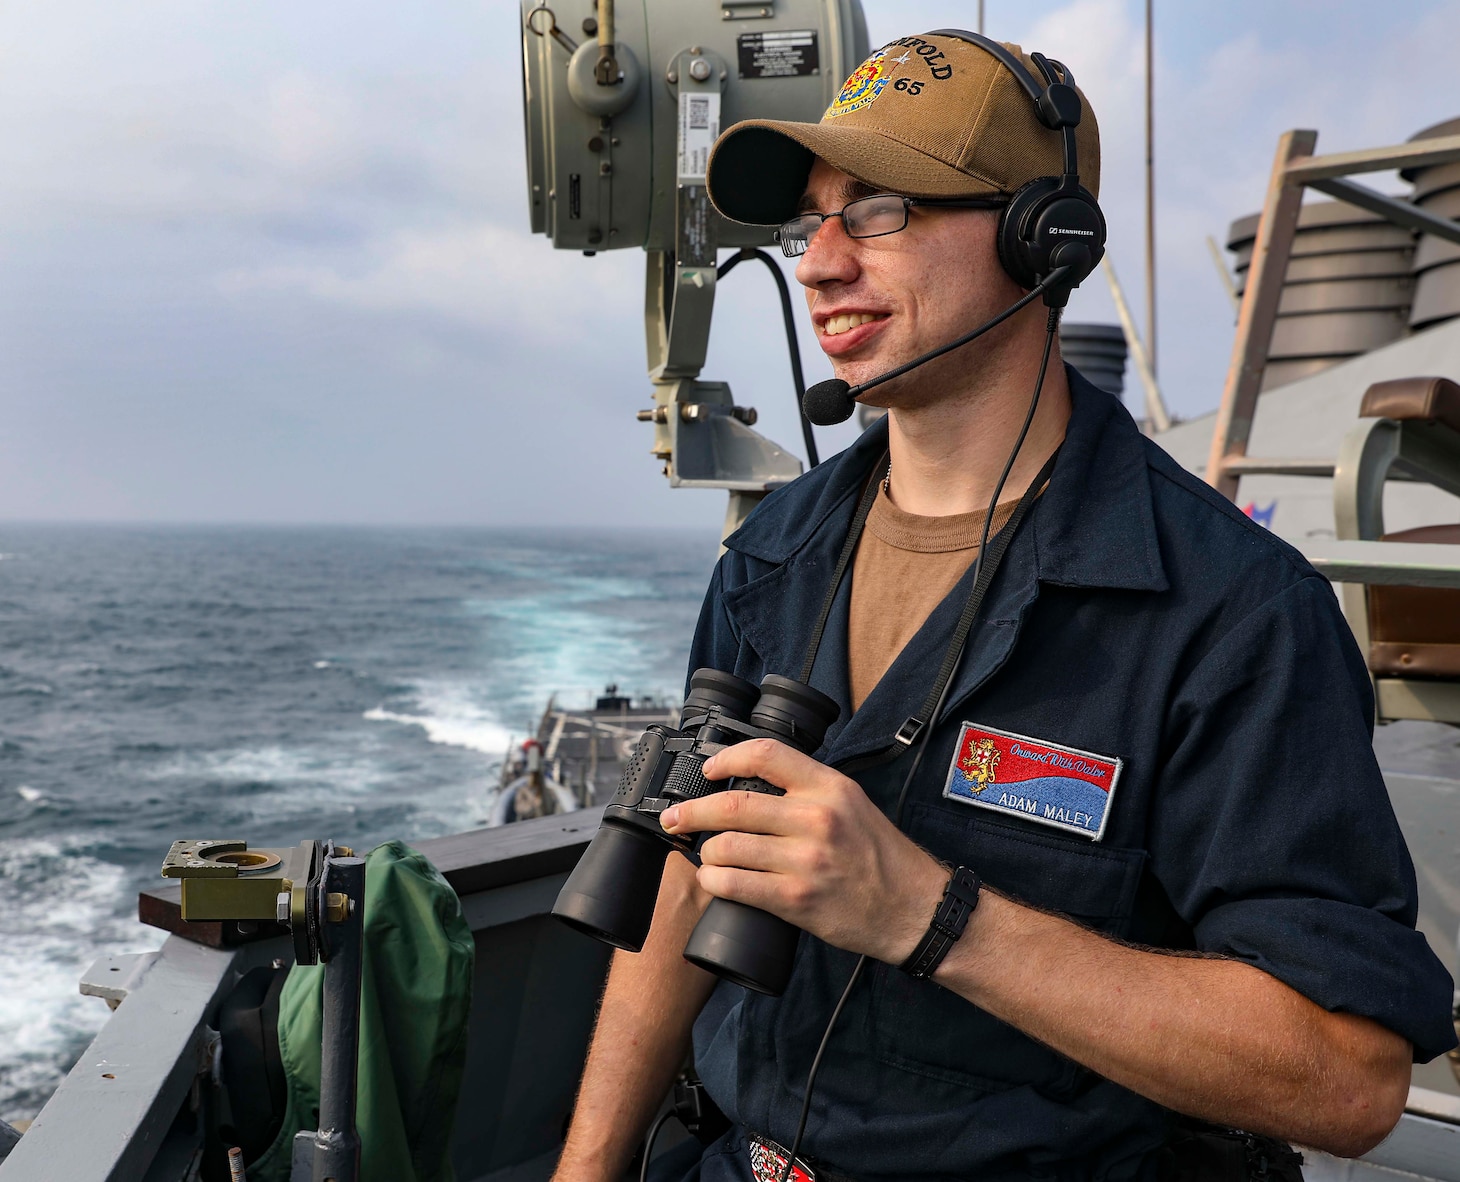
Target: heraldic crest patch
x=863 y=85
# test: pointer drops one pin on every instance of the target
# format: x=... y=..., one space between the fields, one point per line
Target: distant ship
x=574 y=760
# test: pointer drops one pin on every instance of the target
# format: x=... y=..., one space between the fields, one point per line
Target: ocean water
x=276 y=684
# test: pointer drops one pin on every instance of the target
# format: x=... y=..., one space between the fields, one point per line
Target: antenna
x=1150 y=189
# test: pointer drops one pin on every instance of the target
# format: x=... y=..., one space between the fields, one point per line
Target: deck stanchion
x=332 y=1152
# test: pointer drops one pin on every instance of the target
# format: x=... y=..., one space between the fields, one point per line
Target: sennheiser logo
x=1081 y=233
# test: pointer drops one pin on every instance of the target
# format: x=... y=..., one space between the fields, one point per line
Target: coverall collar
x=1093 y=527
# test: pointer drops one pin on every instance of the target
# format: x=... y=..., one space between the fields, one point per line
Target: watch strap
x=960 y=897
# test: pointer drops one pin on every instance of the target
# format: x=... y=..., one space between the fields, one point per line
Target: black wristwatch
x=960 y=897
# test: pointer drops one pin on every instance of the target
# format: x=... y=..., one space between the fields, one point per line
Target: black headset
x=1052 y=221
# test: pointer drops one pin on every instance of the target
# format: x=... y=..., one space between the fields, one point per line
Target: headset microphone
x=833 y=401
x=830 y=402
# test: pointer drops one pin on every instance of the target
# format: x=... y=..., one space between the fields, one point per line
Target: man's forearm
x=644 y=1021
x=1212 y=1038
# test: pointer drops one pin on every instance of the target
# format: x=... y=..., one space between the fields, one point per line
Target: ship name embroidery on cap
x=872 y=77
x=938 y=65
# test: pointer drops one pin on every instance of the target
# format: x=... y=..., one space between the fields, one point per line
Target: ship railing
x=134 y=1107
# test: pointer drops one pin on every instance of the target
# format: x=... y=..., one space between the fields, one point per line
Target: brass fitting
x=337 y=906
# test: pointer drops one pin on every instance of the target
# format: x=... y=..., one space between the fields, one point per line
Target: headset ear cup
x=1042 y=217
x=1014 y=249
x=1096 y=243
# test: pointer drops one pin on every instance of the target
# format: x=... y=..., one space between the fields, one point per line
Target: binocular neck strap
x=849 y=547
x=997 y=547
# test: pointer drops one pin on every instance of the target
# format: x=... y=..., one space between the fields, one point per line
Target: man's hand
x=822 y=857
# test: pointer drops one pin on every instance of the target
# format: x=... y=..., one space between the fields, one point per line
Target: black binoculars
x=612 y=891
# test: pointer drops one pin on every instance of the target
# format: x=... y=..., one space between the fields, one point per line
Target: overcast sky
x=270 y=262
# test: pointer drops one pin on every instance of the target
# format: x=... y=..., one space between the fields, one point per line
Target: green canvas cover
x=414 y=1005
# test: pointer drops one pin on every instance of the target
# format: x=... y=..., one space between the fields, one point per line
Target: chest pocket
x=922 y=1028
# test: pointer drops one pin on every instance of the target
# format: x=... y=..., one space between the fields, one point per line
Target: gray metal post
x=332 y=1153
x=337 y=1155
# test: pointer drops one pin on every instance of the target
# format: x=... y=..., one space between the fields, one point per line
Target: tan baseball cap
x=926 y=116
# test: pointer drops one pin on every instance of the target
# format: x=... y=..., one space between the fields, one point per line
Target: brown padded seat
x=1435 y=400
x=1415 y=631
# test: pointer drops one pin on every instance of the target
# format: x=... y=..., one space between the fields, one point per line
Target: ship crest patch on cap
x=866 y=82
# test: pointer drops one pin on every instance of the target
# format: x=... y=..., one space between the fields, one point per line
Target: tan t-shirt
x=905 y=566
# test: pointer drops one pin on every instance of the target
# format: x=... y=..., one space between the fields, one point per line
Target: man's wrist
x=585 y=1163
x=957 y=905
x=926 y=897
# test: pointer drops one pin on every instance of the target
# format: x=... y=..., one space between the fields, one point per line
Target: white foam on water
x=281 y=783
x=322 y=664
x=57 y=915
x=450 y=716
x=28 y=794
x=275 y=765
x=560 y=640
x=289 y=790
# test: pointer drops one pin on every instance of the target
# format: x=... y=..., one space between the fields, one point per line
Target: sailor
x=1172 y=895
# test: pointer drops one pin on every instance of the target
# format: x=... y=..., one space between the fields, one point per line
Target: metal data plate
x=224 y=879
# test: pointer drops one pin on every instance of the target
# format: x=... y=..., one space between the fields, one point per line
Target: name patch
x=1030 y=778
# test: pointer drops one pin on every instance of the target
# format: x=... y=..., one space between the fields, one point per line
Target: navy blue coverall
x=1137 y=615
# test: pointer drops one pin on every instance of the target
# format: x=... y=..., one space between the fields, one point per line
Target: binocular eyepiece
x=612 y=891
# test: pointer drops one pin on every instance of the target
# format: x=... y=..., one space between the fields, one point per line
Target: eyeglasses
x=870 y=217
